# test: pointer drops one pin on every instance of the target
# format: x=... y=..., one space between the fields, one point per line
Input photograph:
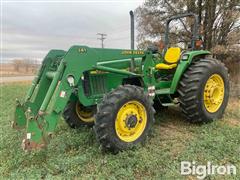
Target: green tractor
x=114 y=91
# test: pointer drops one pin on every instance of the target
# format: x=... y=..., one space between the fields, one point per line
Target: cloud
x=30 y=30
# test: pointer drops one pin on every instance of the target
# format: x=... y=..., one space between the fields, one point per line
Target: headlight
x=185 y=57
x=70 y=80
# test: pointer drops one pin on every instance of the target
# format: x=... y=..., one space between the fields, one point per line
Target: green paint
x=183 y=65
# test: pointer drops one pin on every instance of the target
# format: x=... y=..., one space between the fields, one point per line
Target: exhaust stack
x=132 y=38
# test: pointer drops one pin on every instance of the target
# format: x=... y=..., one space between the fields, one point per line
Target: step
x=163 y=91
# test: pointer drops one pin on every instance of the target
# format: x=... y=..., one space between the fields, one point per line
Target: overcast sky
x=31 y=29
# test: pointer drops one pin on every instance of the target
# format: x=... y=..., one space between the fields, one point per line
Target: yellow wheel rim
x=84 y=114
x=131 y=121
x=214 y=93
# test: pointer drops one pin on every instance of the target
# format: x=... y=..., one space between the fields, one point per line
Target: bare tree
x=17 y=63
x=218 y=19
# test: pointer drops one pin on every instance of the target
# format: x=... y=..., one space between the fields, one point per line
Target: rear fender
x=186 y=60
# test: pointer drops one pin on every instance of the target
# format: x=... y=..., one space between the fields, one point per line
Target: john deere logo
x=82 y=50
x=132 y=52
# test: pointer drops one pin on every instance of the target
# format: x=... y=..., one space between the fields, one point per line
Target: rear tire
x=204 y=90
x=77 y=115
x=124 y=118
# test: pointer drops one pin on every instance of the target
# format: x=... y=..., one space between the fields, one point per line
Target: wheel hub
x=214 y=93
x=131 y=121
x=84 y=113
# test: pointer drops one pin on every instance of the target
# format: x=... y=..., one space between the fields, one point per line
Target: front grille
x=98 y=84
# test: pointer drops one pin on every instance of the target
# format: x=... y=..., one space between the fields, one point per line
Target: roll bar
x=195 y=35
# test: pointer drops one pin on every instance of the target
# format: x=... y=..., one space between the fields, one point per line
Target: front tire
x=124 y=118
x=204 y=90
x=77 y=115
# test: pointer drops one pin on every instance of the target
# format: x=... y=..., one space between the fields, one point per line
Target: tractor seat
x=171 y=59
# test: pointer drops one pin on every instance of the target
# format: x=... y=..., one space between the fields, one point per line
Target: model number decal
x=82 y=50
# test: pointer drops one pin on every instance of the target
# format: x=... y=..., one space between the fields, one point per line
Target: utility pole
x=102 y=38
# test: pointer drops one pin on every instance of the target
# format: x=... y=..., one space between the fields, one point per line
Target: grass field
x=75 y=154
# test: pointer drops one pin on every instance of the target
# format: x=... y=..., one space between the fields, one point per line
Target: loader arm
x=59 y=77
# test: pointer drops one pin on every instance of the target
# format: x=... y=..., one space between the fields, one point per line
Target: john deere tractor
x=113 y=90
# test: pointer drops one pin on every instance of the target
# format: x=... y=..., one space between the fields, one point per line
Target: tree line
x=219 y=22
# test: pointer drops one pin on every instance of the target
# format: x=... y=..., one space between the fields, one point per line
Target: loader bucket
x=29 y=113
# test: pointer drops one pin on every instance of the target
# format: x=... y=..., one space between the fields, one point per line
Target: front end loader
x=114 y=91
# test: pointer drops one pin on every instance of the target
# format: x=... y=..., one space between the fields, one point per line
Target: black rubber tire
x=107 y=111
x=191 y=89
x=71 y=117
